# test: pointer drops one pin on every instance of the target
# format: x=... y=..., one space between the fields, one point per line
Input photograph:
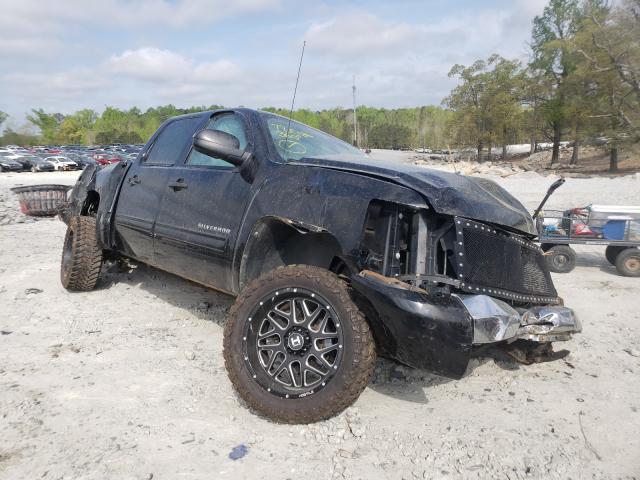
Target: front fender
x=78 y=195
x=327 y=200
x=109 y=181
x=432 y=332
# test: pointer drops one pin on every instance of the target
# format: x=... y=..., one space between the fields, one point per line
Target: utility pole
x=355 y=118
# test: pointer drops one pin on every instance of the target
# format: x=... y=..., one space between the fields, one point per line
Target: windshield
x=302 y=141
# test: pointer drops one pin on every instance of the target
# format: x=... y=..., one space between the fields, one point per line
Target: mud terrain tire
x=352 y=372
x=81 y=255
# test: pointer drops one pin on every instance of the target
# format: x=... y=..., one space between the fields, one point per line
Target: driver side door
x=201 y=210
x=143 y=188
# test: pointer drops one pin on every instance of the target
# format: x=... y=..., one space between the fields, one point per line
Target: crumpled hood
x=448 y=193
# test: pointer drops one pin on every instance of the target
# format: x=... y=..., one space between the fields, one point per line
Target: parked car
x=42 y=165
x=8 y=164
x=106 y=159
x=81 y=159
x=62 y=163
x=27 y=161
x=334 y=257
x=10 y=154
x=84 y=160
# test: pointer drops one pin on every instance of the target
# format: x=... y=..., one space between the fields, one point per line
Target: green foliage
x=10 y=137
x=377 y=127
x=47 y=123
x=486 y=106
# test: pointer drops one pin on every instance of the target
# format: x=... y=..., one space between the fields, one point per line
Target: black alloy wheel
x=293 y=342
x=296 y=346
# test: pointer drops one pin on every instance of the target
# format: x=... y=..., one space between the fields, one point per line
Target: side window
x=226 y=122
x=172 y=140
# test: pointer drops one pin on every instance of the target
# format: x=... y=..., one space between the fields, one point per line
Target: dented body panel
x=388 y=229
x=433 y=332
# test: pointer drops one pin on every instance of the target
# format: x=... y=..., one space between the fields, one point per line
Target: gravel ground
x=128 y=381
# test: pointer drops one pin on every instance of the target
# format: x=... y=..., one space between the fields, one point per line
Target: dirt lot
x=128 y=381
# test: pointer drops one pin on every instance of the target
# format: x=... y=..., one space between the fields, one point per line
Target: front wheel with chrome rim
x=296 y=346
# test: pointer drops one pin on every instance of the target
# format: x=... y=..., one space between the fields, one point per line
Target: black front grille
x=501 y=264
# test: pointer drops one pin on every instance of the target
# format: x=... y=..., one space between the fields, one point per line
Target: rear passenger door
x=202 y=208
x=144 y=185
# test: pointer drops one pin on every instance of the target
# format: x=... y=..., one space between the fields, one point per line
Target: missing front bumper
x=437 y=332
x=496 y=321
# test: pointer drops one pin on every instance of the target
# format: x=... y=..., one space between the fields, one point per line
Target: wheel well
x=91 y=202
x=276 y=242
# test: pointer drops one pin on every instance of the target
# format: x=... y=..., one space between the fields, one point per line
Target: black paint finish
x=200 y=222
x=433 y=332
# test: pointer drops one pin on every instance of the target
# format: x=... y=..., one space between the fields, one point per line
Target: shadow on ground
x=206 y=304
x=390 y=378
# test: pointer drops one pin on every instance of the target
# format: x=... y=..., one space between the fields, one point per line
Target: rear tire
x=258 y=363
x=612 y=252
x=561 y=259
x=628 y=262
x=81 y=255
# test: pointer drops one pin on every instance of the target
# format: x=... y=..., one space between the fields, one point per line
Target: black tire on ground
x=628 y=262
x=561 y=259
x=81 y=255
x=612 y=252
x=346 y=377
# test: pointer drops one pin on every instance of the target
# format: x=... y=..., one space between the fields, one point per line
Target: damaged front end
x=439 y=286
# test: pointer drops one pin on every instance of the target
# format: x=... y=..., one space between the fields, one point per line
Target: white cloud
x=359 y=33
x=164 y=66
x=150 y=64
x=141 y=77
x=396 y=63
x=19 y=46
x=405 y=63
x=37 y=27
x=180 y=13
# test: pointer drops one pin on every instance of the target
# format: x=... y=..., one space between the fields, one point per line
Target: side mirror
x=218 y=144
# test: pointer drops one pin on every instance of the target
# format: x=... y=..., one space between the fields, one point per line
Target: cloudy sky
x=65 y=55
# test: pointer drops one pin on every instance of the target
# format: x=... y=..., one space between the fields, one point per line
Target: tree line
x=582 y=82
x=377 y=127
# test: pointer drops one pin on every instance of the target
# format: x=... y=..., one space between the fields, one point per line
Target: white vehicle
x=62 y=163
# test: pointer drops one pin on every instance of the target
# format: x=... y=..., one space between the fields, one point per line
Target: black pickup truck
x=334 y=257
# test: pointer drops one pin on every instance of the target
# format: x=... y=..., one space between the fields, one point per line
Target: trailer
x=614 y=226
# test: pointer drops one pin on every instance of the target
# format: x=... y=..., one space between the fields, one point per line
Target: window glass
x=225 y=122
x=172 y=140
x=295 y=140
